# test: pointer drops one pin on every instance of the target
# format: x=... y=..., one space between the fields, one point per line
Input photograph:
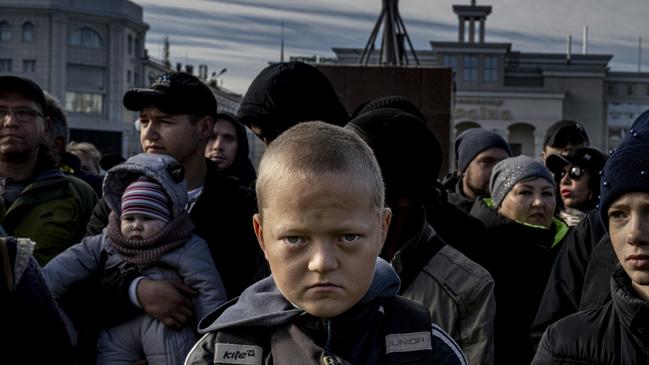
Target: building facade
x=86 y=53
x=520 y=94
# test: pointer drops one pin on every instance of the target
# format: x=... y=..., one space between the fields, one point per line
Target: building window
x=137 y=46
x=629 y=89
x=128 y=76
x=85 y=37
x=29 y=66
x=5 y=31
x=88 y=103
x=470 y=71
x=491 y=69
x=5 y=64
x=130 y=44
x=136 y=79
x=28 y=32
x=450 y=61
x=610 y=89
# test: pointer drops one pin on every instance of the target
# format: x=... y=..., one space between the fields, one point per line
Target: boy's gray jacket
x=289 y=335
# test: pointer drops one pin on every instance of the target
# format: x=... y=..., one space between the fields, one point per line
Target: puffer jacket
x=520 y=262
x=458 y=293
x=191 y=263
x=222 y=216
x=616 y=333
x=263 y=326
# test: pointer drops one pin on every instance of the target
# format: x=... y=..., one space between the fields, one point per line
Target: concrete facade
x=520 y=95
x=86 y=53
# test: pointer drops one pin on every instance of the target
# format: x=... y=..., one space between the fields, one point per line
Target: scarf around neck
x=149 y=250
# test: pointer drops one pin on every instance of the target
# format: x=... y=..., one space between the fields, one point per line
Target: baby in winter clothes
x=150 y=228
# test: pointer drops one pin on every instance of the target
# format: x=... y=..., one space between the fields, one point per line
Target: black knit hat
x=627 y=169
x=408 y=152
x=287 y=93
x=174 y=93
x=473 y=141
x=394 y=102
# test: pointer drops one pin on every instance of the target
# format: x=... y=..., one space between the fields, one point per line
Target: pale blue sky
x=244 y=35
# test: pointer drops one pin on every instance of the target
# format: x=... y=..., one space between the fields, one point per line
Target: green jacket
x=52 y=211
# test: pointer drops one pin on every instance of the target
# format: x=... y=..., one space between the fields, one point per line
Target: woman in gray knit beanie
x=522 y=189
x=522 y=239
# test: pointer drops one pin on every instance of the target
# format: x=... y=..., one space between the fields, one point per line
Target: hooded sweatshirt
x=286 y=334
x=241 y=168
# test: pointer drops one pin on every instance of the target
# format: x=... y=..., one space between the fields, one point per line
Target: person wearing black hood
x=458 y=293
x=330 y=300
x=287 y=93
x=455 y=226
x=228 y=148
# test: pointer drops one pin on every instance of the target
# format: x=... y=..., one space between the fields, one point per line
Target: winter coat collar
x=484 y=210
x=633 y=312
x=263 y=305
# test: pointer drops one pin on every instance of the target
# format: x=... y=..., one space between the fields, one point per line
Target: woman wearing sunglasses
x=577 y=177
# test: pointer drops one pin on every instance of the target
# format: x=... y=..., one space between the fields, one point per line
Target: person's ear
x=47 y=127
x=206 y=127
x=257 y=227
x=386 y=217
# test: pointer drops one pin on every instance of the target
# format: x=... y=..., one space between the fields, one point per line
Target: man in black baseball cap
x=563 y=137
x=174 y=93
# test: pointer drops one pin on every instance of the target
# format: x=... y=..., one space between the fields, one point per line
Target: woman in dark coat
x=521 y=241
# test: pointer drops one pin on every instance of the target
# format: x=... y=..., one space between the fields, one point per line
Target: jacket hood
x=263 y=305
x=287 y=93
x=165 y=170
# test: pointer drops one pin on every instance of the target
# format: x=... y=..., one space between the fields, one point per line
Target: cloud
x=244 y=35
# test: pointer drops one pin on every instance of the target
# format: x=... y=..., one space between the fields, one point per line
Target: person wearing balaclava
x=477 y=150
x=616 y=332
x=458 y=293
x=523 y=238
x=287 y=93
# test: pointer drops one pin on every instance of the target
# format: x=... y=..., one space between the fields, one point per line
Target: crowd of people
x=342 y=247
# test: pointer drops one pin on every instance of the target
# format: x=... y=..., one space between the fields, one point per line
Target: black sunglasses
x=574 y=173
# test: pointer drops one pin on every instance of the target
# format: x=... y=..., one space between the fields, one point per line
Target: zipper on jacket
x=328 y=358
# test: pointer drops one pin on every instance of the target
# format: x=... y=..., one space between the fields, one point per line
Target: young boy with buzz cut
x=330 y=299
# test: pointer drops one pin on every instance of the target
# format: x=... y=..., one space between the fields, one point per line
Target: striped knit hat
x=146 y=197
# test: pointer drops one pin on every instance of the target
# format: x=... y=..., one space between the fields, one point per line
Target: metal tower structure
x=393 y=50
